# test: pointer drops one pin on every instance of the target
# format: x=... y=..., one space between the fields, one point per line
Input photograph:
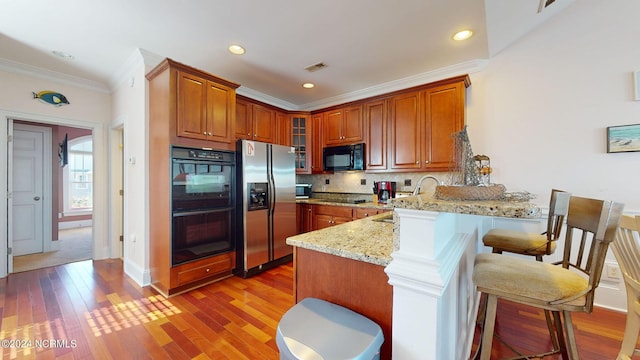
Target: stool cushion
x=317 y=329
x=517 y=242
x=535 y=280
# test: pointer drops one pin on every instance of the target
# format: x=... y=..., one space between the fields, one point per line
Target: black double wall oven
x=202 y=203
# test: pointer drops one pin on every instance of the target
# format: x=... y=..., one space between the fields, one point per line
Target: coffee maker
x=385 y=190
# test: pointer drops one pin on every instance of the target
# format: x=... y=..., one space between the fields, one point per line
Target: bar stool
x=627 y=251
x=315 y=329
x=560 y=289
x=524 y=243
x=533 y=244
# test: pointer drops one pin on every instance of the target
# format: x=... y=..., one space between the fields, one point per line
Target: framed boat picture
x=623 y=138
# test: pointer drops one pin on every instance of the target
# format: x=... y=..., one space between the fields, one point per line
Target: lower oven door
x=200 y=234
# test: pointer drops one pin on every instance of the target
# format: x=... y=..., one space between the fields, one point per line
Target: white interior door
x=28 y=189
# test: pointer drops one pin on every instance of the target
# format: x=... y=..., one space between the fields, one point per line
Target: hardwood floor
x=104 y=315
x=93 y=311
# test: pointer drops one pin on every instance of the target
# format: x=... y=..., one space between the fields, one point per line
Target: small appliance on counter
x=303 y=191
x=385 y=190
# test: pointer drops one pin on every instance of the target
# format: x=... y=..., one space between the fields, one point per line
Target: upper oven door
x=201 y=184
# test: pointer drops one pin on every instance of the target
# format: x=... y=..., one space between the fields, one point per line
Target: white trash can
x=315 y=329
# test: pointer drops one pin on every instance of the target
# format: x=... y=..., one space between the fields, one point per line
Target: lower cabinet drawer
x=335 y=211
x=202 y=269
x=360 y=213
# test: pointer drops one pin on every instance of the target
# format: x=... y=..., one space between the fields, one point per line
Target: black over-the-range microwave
x=343 y=158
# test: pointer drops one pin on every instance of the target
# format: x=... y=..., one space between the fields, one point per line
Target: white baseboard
x=141 y=276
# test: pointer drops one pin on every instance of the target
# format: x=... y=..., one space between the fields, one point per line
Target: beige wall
x=130 y=114
x=90 y=108
x=541 y=107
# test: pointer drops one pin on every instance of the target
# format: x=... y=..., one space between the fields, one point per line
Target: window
x=78 y=177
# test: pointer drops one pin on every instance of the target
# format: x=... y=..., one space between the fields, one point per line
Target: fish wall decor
x=51 y=97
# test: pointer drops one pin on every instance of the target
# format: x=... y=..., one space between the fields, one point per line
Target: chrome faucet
x=416 y=191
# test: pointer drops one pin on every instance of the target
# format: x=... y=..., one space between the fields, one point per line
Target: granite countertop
x=497 y=208
x=369 y=240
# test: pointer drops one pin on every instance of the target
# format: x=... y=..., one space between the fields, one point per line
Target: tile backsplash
x=360 y=182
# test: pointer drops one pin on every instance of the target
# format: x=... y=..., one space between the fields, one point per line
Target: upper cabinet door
x=405 y=130
x=444 y=116
x=191 y=106
x=206 y=110
x=343 y=126
x=375 y=119
x=284 y=131
x=333 y=127
x=316 y=143
x=220 y=113
x=301 y=142
x=264 y=124
x=352 y=125
x=243 y=120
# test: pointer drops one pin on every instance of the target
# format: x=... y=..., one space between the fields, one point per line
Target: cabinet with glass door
x=301 y=141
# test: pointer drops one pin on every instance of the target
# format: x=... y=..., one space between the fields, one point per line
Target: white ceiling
x=367 y=45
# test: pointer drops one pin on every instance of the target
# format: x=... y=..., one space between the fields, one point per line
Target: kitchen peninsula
x=412 y=275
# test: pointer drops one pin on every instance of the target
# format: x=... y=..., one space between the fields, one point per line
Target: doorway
x=64 y=227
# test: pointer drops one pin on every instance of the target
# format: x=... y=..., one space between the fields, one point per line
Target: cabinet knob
x=210 y=134
x=204 y=133
x=208 y=270
x=248 y=134
x=426 y=161
x=417 y=162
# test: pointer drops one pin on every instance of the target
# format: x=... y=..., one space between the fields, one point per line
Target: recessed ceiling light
x=308 y=85
x=63 y=55
x=462 y=35
x=236 y=49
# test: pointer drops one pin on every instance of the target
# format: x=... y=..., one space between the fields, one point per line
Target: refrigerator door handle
x=270 y=181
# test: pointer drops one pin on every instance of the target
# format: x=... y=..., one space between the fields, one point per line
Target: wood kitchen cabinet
x=204 y=107
x=284 y=129
x=422 y=123
x=316 y=144
x=301 y=142
x=187 y=107
x=375 y=120
x=361 y=213
x=343 y=126
x=312 y=217
x=327 y=215
x=405 y=127
x=443 y=116
x=255 y=121
x=304 y=213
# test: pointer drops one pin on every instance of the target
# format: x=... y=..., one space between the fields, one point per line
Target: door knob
x=36 y=198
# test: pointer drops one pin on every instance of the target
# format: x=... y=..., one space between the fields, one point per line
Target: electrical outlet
x=613 y=272
x=326 y=181
x=407 y=182
x=363 y=181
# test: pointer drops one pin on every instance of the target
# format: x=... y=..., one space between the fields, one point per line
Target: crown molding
x=467 y=67
x=24 y=69
x=150 y=60
x=257 y=95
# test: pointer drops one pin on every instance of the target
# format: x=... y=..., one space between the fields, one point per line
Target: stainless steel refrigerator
x=267 y=192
